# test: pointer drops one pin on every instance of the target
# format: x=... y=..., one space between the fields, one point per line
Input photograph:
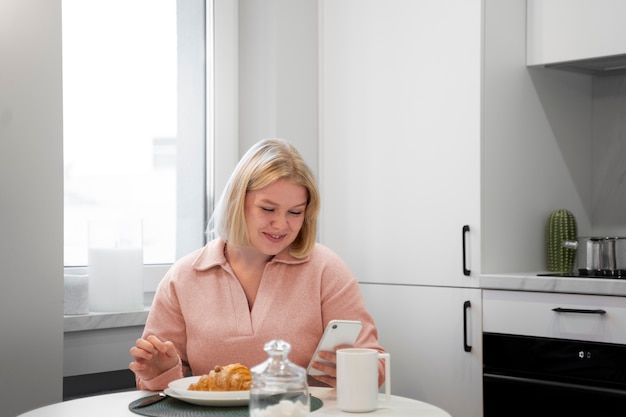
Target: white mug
x=357 y=379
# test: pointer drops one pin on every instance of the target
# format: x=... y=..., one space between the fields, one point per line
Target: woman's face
x=275 y=215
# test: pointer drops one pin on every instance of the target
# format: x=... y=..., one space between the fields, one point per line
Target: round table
x=116 y=404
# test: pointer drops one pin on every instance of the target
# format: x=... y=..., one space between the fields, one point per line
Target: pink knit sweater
x=201 y=307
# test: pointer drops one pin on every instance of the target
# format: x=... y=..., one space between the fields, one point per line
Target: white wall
x=536 y=145
x=31 y=205
x=608 y=206
x=278 y=82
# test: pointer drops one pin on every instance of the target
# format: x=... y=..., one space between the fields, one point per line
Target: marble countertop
x=572 y=285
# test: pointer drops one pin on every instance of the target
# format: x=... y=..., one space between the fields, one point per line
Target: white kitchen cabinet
x=570 y=30
x=400 y=89
x=400 y=152
x=423 y=329
x=563 y=316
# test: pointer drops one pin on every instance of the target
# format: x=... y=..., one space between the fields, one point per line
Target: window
x=134 y=123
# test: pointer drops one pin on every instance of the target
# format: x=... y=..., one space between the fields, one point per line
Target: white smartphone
x=338 y=332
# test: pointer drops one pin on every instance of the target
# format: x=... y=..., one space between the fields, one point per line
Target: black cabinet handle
x=578 y=310
x=466 y=347
x=466 y=271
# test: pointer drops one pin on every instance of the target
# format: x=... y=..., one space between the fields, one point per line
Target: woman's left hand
x=329 y=369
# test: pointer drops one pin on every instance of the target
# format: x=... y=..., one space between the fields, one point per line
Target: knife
x=151 y=400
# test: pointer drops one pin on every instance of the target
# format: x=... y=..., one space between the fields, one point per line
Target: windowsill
x=152 y=275
x=97 y=321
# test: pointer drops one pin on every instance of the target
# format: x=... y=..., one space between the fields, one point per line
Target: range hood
x=604 y=66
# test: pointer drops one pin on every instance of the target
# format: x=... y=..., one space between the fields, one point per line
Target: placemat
x=171 y=407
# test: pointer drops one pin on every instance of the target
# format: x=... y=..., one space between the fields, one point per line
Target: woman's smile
x=275 y=237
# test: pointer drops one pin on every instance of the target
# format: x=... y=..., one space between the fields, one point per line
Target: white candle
x=115 y=279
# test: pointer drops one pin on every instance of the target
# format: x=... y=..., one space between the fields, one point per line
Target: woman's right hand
x=152 y=357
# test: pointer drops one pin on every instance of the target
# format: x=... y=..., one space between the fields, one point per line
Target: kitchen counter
x=572 y=285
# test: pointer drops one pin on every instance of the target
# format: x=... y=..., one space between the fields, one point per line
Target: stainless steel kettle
x=604 y=256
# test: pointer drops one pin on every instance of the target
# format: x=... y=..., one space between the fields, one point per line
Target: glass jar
x=279 y=387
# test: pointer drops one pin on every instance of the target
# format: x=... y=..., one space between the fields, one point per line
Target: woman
x=264 y=277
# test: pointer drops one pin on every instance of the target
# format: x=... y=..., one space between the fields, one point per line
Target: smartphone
x=338 y=332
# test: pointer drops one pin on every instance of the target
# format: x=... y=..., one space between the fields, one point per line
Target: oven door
x=536 y=376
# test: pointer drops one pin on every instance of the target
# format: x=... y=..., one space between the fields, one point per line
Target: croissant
x=233 y=377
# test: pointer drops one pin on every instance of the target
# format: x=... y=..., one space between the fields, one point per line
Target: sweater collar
x=212 y=255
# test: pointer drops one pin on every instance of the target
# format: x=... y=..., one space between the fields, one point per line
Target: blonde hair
x=265 y=162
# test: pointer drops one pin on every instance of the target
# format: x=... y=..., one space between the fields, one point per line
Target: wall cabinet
x=398 y=111
x=426 y=330
x=571 y=30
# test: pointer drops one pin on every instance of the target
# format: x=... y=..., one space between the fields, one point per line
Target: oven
x=553 y=355
x=537 y=376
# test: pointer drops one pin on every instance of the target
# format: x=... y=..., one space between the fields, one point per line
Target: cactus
x=561 y=226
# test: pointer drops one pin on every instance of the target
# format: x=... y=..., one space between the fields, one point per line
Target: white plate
x=179 y=389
